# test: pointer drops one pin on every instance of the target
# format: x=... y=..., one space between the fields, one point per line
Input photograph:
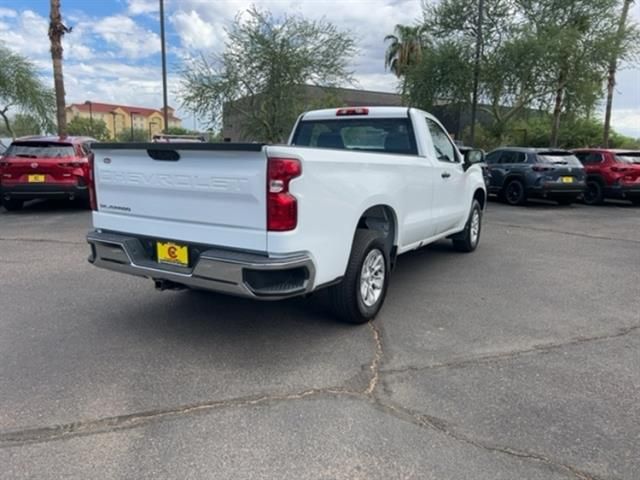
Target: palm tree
x=56 y=31
x=404 y=51
x=405 y=48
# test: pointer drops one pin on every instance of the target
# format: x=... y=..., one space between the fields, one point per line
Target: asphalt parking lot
x=519 y=361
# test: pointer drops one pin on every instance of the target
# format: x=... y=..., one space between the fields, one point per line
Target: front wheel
x=468 y=239
x=360 y=295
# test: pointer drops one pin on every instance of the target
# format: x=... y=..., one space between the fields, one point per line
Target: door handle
x=445 y=175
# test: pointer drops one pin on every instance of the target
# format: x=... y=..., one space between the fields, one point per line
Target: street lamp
x=165 y=109
x=113 y=114
x=131 y=114
x=90 y=113
x=151 y=134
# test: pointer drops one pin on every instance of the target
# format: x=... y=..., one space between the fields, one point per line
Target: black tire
x=467 y=240
x=514 y=193
x=594 y=195
x=13 y=205
x=566 y=200
x=346 y=297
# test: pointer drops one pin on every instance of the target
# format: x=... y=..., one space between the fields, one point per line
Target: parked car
x=353 y=189
x=517 y=174
x=45 y=167
x=611 y=174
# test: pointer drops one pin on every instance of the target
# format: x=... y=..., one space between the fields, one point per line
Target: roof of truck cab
x=373 y=112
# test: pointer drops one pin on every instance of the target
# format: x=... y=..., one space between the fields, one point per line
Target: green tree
x=89 y=128
x=404 y=51
x=443 y=73
x=262 y=73
x=509 y=62
x=22 y=125
x=576 y=35
x=22 y=91
x=139 y=135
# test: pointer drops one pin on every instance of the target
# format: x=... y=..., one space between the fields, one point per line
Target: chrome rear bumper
x=220 y=270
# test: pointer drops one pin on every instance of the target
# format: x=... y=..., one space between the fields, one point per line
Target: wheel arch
x=481 y=196
x=381 y=217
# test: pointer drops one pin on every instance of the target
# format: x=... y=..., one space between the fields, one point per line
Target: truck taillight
x=282 y=207
x=92 y=184
x=343 y=112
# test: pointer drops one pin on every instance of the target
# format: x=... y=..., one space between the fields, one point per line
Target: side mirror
x=472 y=157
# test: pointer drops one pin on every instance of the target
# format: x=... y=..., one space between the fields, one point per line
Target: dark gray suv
x=516 y=174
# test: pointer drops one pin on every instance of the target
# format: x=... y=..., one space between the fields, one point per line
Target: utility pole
x=613 y=67
x=476 y=72
x=165 y=110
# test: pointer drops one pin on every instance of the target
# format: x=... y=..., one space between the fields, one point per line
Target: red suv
x=610 y=174
x=44 y=167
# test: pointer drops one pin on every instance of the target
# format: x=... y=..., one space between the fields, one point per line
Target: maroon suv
x=610 y=174
x=44 y=167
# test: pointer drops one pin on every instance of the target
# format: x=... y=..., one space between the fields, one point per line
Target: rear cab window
x=382 y=135
x=40 y=150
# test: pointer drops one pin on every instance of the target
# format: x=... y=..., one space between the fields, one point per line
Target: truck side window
x=445 y=151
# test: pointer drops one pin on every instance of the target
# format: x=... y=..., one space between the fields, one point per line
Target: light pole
x=131 y=114
x=165 y=110
x=90 y=114
x=476 y=72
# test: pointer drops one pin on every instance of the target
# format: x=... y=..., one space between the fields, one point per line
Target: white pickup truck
x=353 y=189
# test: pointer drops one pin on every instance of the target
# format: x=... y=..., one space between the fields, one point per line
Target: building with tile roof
x=119 y=118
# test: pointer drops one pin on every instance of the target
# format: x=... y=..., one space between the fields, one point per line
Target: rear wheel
x=514 y=193
x=12 y=204
x=360 y=295
x=594 y=195
x=468 y=239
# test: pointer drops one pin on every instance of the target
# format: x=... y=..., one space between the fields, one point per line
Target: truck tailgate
x=212 y=194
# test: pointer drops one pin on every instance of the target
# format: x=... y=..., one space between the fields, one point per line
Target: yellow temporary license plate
x=566 y=179
x=36 y=178
x=172 y=253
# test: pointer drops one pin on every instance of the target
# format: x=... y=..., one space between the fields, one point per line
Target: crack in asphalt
x=426 y=421
x=27 y=436
x=377 y=359
x=563 y=232
x=42 y=240
x=124 y=422
x=539 y=348
x=139 y=419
